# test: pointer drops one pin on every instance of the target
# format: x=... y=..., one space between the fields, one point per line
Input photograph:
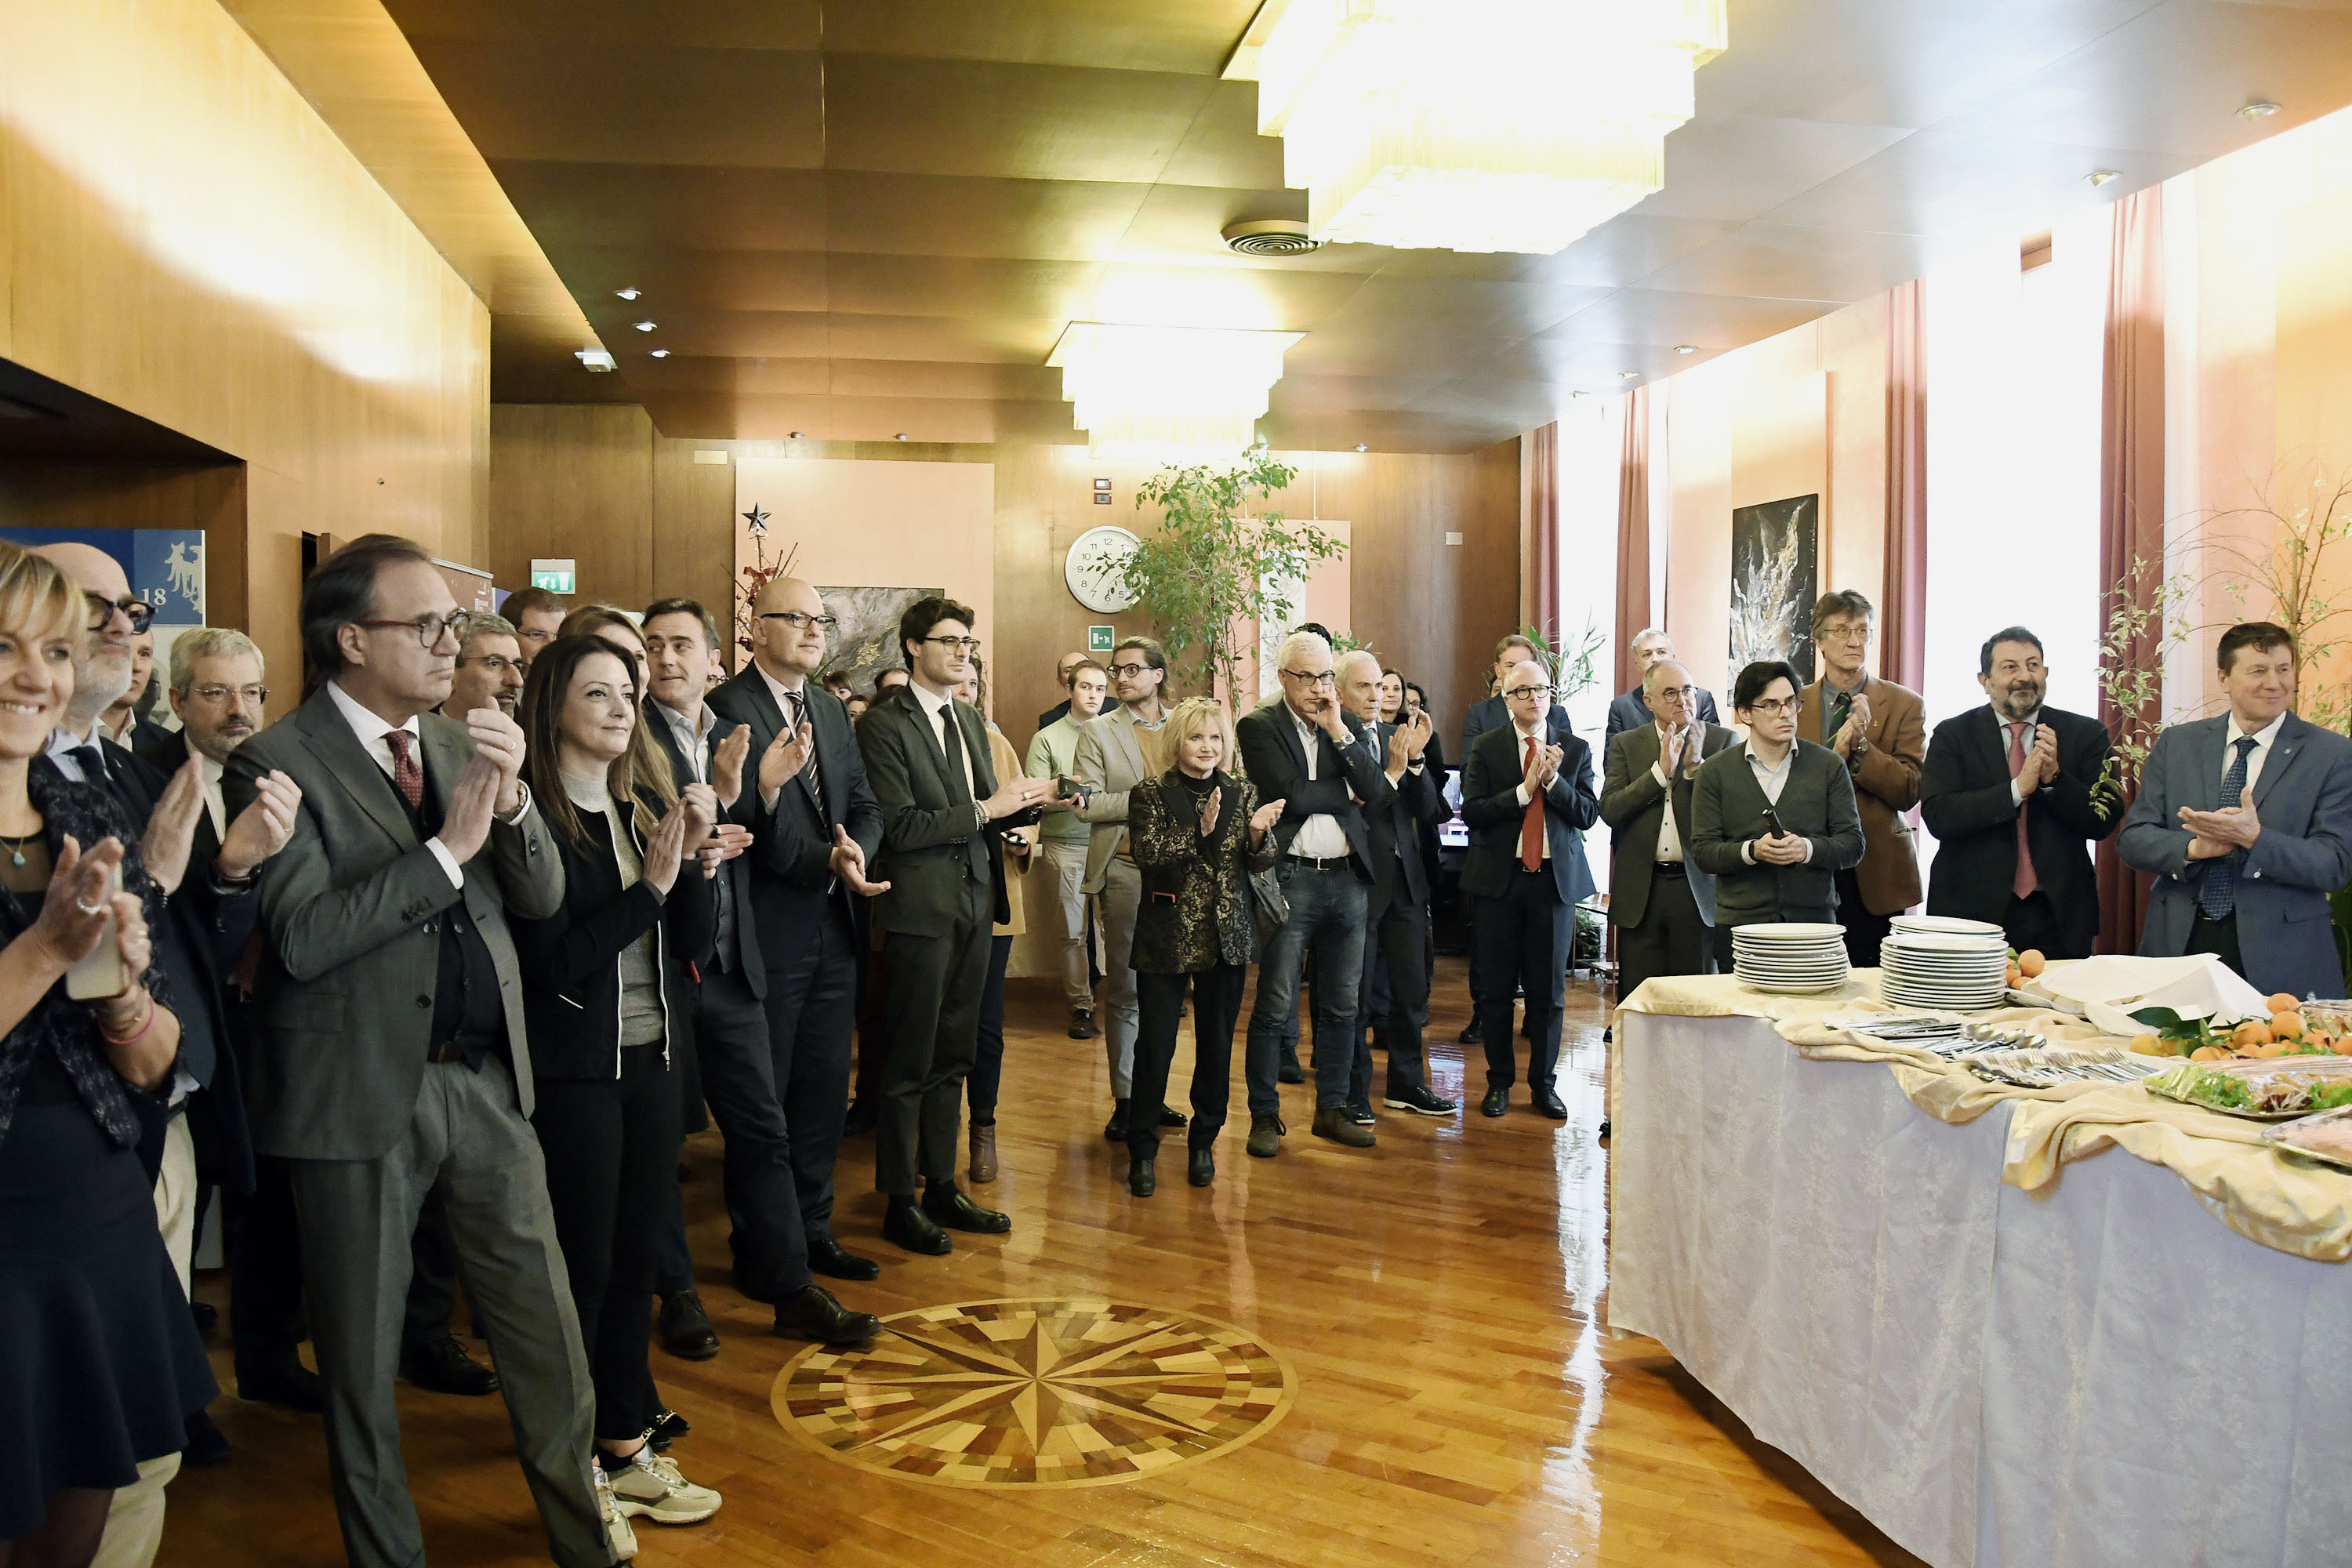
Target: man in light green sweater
x=1053 y=754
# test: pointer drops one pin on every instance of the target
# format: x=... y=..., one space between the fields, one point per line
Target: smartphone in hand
x=102 y=973
x=1772 y=821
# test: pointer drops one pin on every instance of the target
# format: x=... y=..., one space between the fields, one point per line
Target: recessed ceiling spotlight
x=593 y=358
x=1580 y=394
x=1361 y=447
x=2101 y=177
x=642 y=326
x=899 y=436
x=792 y=435
x=661 y=353
x=1629 y=375
x=2258 y=110
x=624 y=293
x=1685 y=348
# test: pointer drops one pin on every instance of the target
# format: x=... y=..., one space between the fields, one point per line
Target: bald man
x=1062 y=669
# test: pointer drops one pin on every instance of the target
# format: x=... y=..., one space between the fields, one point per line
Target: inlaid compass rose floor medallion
x=1061 y=1393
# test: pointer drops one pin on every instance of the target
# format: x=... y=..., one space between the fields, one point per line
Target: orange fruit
x=2208 y=1054
x=2147 y=1045
x=2250 y=1033
x=2286 y=1026
x=2030 y=963
x=2280 y=1002
x=2015 y=979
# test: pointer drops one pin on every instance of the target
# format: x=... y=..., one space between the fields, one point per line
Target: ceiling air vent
x=1270 y=237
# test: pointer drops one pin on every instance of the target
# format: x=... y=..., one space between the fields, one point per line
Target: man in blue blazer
x=1631 y=709
x=1527 y=797
x=2245 y=821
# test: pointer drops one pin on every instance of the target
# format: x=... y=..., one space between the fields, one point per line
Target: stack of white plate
x=1925 y=963
x=1788 y=957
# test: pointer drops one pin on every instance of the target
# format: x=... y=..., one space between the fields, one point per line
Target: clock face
x=1093 y=569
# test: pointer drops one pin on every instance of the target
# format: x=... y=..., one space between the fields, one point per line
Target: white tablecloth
x=2097 y=1374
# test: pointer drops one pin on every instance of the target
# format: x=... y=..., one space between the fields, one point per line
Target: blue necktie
x=2220 y=894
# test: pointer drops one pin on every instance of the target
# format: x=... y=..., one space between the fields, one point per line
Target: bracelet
x=131 y=1039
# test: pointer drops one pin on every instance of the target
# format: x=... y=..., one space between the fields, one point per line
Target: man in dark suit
x=2245 y=821
x=1397 y=916
x=1631 y=709
x=942 y=865
x=1492 y=712
x=815 y=826
x=1876 y=730
x=1062 y=667
x=395 y=1061
x=1661 y=903
x=1309 y=752
x=1773 y=820
x=731 y=1041
x=2007 y=791
x=1526 y=798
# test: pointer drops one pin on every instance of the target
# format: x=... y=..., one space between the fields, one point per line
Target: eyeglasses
x=1128 y=672
x=1528 y=691
x=1850 y=632
x=429 y=630
x=969 y=645
x=1679 y=693
x=496 y=664
x=135 y=610
x=535 y=637
x=1776 y=705
x=800 y=620
x=1306 y=680
x=215 y=695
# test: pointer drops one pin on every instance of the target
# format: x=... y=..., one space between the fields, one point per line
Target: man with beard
x=2006 y=793
x=489 y=667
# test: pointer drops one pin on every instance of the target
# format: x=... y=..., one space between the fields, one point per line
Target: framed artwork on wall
x=1775 y=573
x=865 y=630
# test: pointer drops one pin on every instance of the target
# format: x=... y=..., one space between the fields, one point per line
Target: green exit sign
x=1099 y=638
x=555 y=576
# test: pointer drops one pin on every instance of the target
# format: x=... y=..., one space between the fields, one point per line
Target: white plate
x=1786 y=930
x=1795 y=990
x=1947 y=923
x=1946 y=942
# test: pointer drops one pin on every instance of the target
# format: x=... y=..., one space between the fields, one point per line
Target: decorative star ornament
x=758 y=518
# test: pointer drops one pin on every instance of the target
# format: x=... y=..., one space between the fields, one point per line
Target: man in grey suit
x=1112 y=762
x=1773 y=820
x=1661 y=903
x=1631 y=709
x=391 y=1061
x=2245 y=821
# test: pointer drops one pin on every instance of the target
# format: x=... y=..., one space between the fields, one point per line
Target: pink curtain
x=1543 y=524
x=1632 y=536
x=1903 y=610
x=2131 y=492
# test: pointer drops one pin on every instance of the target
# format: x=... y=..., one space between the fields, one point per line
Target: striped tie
x=2219 y=897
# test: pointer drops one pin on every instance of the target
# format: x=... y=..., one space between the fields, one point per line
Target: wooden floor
x=1439 y=1300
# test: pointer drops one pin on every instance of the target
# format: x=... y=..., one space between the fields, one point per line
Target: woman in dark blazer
x=608 y=989
x=1197 y=833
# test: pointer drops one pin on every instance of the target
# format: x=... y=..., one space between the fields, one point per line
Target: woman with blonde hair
x=1197 y=832
x=101 y=1365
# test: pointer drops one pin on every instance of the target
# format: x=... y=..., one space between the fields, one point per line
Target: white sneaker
x=650 y=1484
x=616 y=1524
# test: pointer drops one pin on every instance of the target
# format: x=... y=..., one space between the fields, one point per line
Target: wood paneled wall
x=183 y=237
x=643 y=520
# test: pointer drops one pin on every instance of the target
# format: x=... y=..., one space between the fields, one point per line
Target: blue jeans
x=1327 y=908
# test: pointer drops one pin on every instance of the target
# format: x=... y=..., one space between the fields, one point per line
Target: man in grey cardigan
x=1773 y=820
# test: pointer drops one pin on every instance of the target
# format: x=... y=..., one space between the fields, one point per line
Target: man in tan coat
x=1879 y=729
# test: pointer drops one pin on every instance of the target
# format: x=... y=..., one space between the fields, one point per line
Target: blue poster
x=165 y=565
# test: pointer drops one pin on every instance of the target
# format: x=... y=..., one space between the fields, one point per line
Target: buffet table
x=2100 y=1370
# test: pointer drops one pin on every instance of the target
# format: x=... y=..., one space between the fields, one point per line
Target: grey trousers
x=1066 y=877
x=935 y=989
x=469 y=1143
x=1121 y=896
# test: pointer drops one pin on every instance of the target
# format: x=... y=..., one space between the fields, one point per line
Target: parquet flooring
x=1437 y=1299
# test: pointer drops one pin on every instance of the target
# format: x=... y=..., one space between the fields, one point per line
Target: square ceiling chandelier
x=1479 y=125
x=1169 y=393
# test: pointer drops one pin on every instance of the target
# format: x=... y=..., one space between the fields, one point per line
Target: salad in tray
x=2263 y=1091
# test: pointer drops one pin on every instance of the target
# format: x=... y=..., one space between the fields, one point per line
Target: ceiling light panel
x=1164 y=392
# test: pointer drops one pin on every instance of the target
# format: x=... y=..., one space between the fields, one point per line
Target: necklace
x=16 y=845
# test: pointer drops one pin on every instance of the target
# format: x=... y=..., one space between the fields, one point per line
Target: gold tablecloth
x=2298 y=1208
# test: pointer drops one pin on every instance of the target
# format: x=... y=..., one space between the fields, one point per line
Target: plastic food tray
x=2256 y=1073
x=2287 y=1137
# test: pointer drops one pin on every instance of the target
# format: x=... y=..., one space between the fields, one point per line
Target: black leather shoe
x=1290 y=1072
x=1115 y=1130
x=293 y=1386
x=1498 y=1101
x=1420 y=1101
x=1361 y=1115
x=1082 y=1024
x=812 y=1313
x=1141 y=1180
x=859 y=1121
x=908 y=1226
x=1548 y=1104
x=205 y=1446
x=1171 y=1116
x=668 y=1427
x=1603 y=1134
x=950 y=1206
x=1470 y=1035
x=443 y=1367
x=685 y=1328
x=1201 y=1167
x=207 y=1316
x=1333 y=1123
x=829 y=1257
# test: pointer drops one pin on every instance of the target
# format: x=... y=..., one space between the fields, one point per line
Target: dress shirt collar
x=689 y=736
x=1540 y=734
x=2263 y=737
x=931 y=702
x=1755 y=759
x=1862 y=679
x=370 y=726
x=2032 y=720
x=777 y=689
x=62 y=742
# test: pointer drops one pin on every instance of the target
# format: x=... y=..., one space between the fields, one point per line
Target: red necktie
x=1531 y=825
x=407 y=776
x=2025 y=881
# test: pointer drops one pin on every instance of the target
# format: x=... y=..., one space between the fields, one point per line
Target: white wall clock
x=1094 y=569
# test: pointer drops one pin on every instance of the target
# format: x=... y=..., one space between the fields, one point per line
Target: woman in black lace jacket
x=100 y=1362
x=1196 y=832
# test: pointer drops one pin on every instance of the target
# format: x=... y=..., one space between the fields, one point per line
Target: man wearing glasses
x=815 y=825
x=1631 y=709
x=1526 y=797
x=1661 y=903
x=489 y=667
x=1772 y=821
x=535 y=613
x=1877 y=731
